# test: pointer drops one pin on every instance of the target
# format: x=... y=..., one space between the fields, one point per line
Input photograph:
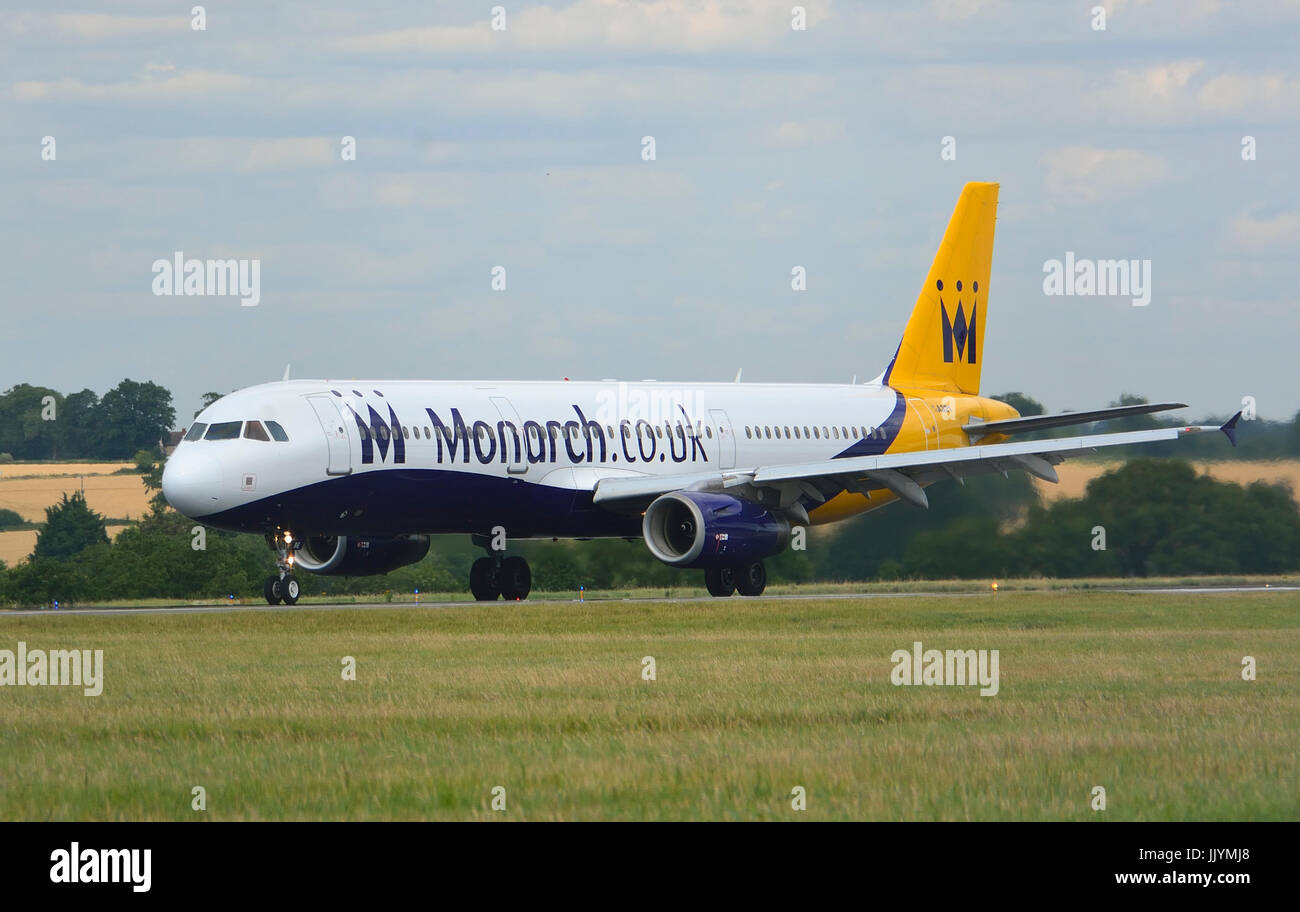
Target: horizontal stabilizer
x=1065 y=419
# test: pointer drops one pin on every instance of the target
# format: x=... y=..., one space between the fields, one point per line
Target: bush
x=6 y=457
x=9 y=518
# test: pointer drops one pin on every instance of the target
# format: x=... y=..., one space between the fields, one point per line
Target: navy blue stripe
x=885 y=435
x=436 y=501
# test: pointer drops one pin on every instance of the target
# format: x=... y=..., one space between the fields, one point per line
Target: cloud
x=292 y=153
x=1282 y=229
x=673 y=26
x=101 y=26
x=194 y=84
x=1087 y=173
x=1187 y=91
x=533 y=93
x=806 y=132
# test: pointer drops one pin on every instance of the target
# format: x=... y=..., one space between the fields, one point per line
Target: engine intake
x=331 y=555
x=705 y=530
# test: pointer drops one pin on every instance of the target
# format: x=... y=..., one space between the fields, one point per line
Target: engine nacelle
x=331 y=555
x=703 y=529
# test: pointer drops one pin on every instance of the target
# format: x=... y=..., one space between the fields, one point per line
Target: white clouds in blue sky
x=522 y=148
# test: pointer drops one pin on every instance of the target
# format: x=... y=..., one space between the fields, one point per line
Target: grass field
x=1141 y=694
x=1076 y=475
x=29 y=487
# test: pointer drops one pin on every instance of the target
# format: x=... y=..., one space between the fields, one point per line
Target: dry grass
x=1139 y=693
x=118 y=496
x=43 y=469
x=16 y=546
x=1076 y=475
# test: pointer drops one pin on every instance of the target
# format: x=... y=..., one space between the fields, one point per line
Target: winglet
x=1230 y=428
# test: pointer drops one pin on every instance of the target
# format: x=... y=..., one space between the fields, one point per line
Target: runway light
x=995 y=587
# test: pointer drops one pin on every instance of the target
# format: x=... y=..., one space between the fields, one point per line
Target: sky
x=127 y=135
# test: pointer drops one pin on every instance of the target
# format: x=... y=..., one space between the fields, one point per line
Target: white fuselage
x=388 y=457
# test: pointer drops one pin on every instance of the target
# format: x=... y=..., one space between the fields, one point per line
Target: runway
x=370 y=606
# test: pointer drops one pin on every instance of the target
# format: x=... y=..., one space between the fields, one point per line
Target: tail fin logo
x=957 y=333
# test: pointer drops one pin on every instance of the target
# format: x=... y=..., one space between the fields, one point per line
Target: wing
x=1065 y=419
x=904 y=474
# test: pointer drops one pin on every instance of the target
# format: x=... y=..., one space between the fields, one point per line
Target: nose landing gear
x=283 y=587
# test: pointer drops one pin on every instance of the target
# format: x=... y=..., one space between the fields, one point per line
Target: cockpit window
x=224 y=430
x=277 y=432
x=196 y=430
x=253 y=430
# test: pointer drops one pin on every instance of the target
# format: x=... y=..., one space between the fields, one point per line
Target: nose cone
x=191 y=483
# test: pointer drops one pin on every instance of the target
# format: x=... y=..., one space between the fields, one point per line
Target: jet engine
x=340 y=555
x=709 y=530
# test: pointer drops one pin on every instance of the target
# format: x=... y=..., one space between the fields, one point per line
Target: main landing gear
x=284 y=586
x=747 y=579
x=497 y=576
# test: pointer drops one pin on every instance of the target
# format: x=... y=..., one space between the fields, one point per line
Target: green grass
x=1034 y=584
x=1141 y=694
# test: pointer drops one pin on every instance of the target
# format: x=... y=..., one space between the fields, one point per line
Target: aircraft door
x=726 y=440
x=331 y=422
x=515 y=447
x=929 y=423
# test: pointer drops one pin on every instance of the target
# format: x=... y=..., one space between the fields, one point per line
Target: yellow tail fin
x=942 y=347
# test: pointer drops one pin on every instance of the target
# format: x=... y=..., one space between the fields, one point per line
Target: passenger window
x=196 y=431
x=428 y=434
x=796 y=432
x=253 y=430
x=708 y=432
x=277 y=432
x=224 y=430
x=787 y=433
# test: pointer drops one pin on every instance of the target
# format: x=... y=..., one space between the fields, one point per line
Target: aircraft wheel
x=720 y=581
x=271 y=590
x=484 y=580
x=516 y=579
x=751 y=579
x=290 y=589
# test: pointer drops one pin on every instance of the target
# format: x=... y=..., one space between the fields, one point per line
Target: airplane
x=353 y=477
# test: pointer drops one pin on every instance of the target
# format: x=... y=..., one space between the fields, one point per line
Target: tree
x=208 y=399
x=9 y=518
x=28 y=423
x=133 y=416
x=70 y=528
x=79 y=425
x=1021 y=403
